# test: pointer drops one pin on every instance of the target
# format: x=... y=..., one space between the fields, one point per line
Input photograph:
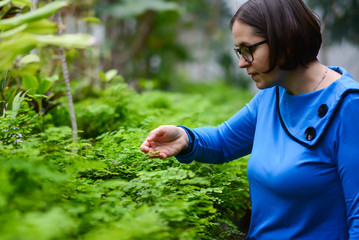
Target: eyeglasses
x=246 y=51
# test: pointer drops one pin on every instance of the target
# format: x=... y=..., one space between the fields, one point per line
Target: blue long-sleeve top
x=303 y=171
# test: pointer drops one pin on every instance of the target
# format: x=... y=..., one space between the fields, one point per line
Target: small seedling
x=153 y=153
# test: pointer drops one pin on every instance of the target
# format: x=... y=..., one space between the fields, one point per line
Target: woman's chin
x=261 y=85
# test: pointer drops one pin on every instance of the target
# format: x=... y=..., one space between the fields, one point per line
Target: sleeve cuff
x=184 y=155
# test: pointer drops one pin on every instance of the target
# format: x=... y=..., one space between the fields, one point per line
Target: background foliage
x=340 y=19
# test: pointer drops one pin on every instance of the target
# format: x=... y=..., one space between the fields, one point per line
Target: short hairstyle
x=291 y=28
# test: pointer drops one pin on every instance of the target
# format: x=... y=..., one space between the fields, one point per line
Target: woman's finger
x=158 y=132
x=145 y=146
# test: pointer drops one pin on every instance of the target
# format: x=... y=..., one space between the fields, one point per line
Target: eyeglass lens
x=245 y=52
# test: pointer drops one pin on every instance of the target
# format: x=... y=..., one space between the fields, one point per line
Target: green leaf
x=44 y=86
x=22 y=3
x=53 y=78
x=31 y=58
x=102 y=75
x=10 y=49
x=16 y=103
x=111 y=74
x=40 y=13
x=3 y=80
x=130 y=8
x=66 y=40
x=4 y=2
x=30 y=83
x=43 y=26
x=50 y=224
x=26 y=69
x=91 y=19
x=13 y=31
x=10 y=99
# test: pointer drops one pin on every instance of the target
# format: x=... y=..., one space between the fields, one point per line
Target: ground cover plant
x=103 y=187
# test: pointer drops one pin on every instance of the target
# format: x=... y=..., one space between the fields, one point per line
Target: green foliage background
x=103 y=187
x=339 y=19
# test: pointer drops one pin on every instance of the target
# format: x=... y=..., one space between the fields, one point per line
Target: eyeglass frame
x=238 y=51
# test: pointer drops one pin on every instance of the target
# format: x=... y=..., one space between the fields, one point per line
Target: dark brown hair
x=291 y=28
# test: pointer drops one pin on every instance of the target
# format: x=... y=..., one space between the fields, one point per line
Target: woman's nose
x=242 y=62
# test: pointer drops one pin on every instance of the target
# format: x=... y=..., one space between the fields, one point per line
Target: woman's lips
x=253 y=75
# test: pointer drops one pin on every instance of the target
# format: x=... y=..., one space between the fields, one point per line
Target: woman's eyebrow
x=243 y=44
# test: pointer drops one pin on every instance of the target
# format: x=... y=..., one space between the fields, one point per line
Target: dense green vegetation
x=103 y=187
x=100 y=186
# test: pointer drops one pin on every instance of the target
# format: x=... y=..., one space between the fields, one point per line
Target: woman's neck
x=314 y=77
x=306 y=79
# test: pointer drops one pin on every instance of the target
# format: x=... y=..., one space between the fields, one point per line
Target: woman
x=301 y=128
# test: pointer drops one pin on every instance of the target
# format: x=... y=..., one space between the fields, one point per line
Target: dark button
x=322 y=110
x=310 y=133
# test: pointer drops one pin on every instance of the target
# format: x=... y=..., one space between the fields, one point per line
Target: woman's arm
x=228 y=141
x=347 y=148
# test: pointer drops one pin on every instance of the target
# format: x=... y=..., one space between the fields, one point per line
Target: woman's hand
x=165 y=141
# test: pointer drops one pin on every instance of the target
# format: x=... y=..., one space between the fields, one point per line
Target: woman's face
x=243 y=36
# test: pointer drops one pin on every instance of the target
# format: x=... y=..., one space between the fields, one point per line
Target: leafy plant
x=6 y=96
x=108 y=188
x=24 y=32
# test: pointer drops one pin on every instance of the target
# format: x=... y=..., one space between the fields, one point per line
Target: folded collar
x=306 y=117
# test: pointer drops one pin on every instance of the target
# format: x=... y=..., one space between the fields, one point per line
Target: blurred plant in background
x=157 y=44
x=24 y=29
x=340 y=19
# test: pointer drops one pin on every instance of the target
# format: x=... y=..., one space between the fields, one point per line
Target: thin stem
x=65 y=73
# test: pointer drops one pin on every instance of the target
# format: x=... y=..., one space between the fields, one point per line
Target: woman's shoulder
x=262 y=98
x=315 y=112
x=265 y=93
x=346 y=87
x=349 y=104
x=346 y=81
x=346 y=95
